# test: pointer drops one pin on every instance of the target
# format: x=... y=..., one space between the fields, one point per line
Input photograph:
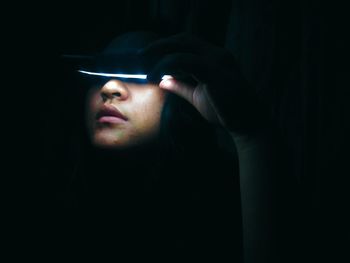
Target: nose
x=114 y=89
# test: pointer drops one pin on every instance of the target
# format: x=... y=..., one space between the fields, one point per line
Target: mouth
x=110 y=114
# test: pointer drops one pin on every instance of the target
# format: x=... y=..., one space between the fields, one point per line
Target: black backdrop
x=290 y=50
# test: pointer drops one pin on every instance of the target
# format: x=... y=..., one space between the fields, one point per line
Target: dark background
x=291 y=51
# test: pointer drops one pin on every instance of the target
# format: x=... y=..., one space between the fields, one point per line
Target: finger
x=179 y=88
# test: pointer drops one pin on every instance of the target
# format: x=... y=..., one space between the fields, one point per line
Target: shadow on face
x=121 y=115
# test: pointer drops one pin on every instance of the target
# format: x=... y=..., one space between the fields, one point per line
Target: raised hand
x=217 y=90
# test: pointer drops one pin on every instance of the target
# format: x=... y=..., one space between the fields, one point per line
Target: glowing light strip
x=126 y=76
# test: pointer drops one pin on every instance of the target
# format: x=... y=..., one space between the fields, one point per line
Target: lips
x=110 y=114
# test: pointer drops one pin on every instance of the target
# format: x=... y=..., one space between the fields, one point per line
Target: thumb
x=179 y=88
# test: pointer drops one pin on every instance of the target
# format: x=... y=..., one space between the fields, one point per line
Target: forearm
x=257 y=154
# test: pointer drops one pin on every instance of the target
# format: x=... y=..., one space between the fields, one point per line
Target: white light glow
x=126 y=76
x=167 y=77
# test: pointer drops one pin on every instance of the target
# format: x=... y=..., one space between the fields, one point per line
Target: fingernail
x=166 y=83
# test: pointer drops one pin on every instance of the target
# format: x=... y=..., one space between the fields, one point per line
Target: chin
x=105 y=143
x=112 y=143
x=107 y=140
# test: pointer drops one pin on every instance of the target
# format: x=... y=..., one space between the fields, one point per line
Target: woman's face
x=124 y=114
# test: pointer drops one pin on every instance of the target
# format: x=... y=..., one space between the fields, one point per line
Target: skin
x=141 y=104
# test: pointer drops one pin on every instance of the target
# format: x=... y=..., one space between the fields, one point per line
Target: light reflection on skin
x=141 y=104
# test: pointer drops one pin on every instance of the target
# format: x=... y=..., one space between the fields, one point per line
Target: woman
x=152 y=176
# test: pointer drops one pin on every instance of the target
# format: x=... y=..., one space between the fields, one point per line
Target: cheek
x=143 y=109
x=148 y=109
x=93 y=101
